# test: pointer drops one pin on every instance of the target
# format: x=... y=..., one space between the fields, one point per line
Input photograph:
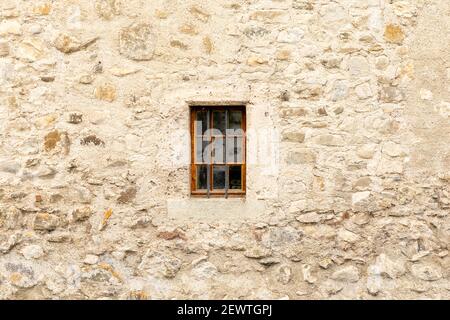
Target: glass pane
x=219 y=121
x=219 y=177
x=219 y=150
x=235 y=177
x=201 y=122
x=201 y=152
x=234 y=149
x=234 y=120
x=202 y=176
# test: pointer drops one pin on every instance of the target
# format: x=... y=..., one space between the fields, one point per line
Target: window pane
x=201 y=152
x=219 y=121
x=219 y=177
x=234 y=120
x=219 y=150
x=234 y=149
x=235 y=177
x=201 y=122
x=202 y=176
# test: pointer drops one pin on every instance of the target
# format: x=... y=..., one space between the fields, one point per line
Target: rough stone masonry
x=351 y=97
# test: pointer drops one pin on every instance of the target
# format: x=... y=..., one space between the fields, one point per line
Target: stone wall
x=348 y=106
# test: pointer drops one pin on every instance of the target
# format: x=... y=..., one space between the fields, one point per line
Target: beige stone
x=106 y=92
x=43 y=9
x=347 y=149
x=390 y=93
x=346 y=274
x=293 y=136
x=208 y=45
x=81 y=214
x=107 y=9
x=284 y=54
x=394 y=34
x=426 y=94
x=137 y=42
x=427 y=272
x=256 y=61
x=329 y=140
x=393 y=149
x=32 y=252
x=31 y=49
x=69 y=44
x=45 y=221
x=4 y=49
x=310 y=217
x=347 y=236
x=188 y=28
x=303 y=156
x=10 y=27
x=122 y=72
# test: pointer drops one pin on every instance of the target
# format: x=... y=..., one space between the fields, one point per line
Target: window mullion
x=208 y=167
x=225 y=155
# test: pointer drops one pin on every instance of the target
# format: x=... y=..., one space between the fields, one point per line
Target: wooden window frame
x=221 y=193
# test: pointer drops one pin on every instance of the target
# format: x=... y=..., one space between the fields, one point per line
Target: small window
x=218 y=151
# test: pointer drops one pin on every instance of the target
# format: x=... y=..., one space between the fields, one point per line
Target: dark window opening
x=218 y=150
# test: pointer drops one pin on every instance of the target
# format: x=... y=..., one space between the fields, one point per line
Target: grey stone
x=346 y=274
x=32 y=251
x=427 y=272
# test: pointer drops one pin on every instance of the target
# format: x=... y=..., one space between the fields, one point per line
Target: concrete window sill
x=216 y=209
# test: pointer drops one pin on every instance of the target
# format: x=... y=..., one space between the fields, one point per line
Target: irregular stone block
x=178 y=44
x=310 y=217
x=45 y=221
x=346 y=274
x=366 y=151
x=199 y=13
x=160 y=264
x=257 y=252
x=51 y=139
x=4 y=49
x=30 y=50
x=304 y=156
x=81 y=214
x=208 y=45
x=91 y=259
x=393 y=149
x=122 y=72
x=363 y=91
x=329 y=140
x=284 y=274
x=287 y=113
x=309 y=91
x=74 y=118
x=137 y=42
x=20 y=274
x=347 y=236
x=107 y=8
x=106 y=92
x=10 y=27
x=386 y=266
x=32 y=252
x=42 y=9
x=303 y=4
x=394 y=34
x=293 y=35
x=69 y=44
x=293 y=136
x=427 y=272
x=389 y=93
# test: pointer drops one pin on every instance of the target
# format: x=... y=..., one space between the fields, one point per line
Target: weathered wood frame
x=210 y=192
